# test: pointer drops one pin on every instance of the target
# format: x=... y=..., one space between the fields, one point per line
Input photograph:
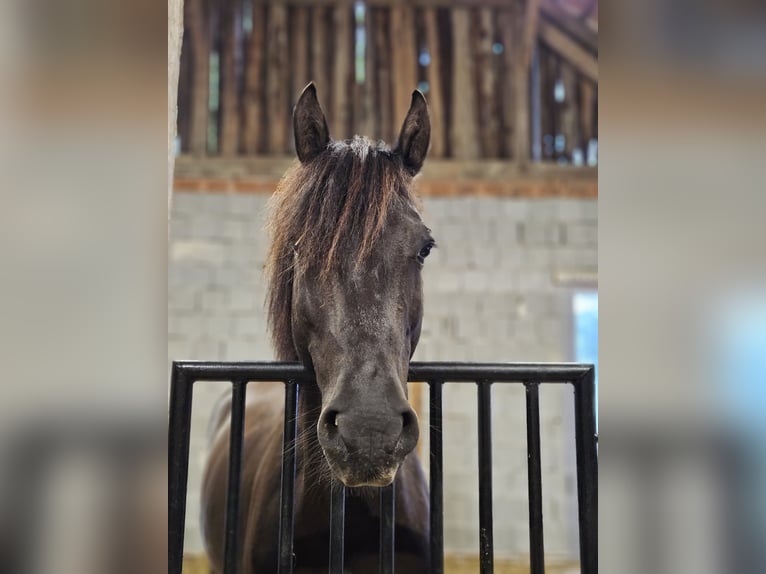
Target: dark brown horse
x=345 y=298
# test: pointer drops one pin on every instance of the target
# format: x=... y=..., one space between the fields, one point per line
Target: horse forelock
x=326 y=213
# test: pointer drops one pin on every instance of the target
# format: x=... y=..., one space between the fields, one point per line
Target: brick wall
x=496 y=289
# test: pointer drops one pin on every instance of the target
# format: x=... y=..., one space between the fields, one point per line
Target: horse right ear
x=309 y=125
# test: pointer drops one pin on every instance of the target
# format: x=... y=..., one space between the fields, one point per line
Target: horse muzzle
x=366 y=449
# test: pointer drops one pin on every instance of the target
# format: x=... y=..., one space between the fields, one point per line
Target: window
x=585 y=325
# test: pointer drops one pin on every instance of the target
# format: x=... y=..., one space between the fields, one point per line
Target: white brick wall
x=489 y=296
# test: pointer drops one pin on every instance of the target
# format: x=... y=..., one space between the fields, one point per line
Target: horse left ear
x=309 y=125
x=415 y=134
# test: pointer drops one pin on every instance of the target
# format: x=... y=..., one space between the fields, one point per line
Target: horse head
x=346 y=294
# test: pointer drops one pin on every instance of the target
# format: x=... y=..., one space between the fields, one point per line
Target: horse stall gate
x=483 y=375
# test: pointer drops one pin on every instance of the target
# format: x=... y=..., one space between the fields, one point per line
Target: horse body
x=345 y=298
x=260 y=501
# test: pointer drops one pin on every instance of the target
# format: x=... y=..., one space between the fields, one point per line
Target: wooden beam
x=300 y=45
x=198 y=24
x=521 y=118
x=536 y=106
x=435 y=94
x=587 y=101
x=228 y=137
x=270 y=169
x=578 y=30
x=570 y=126
x=464 y=140
x=175 y=41
x=253 y=111
x=552 y=115
x=277 y=78
x=505 y=22
x=341 y=72
x=364 y=92
x=485 y=69
x=585 y=62
x=405 y=59
x=182 y=77
x=411 y=3
x=531 y=17
x=382 y=71
x=299 y=56
x=319 y=39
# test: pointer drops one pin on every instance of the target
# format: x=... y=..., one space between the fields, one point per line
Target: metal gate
x=483 y=375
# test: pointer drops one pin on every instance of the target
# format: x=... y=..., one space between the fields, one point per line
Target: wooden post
x=319 y=39
x=535 y=105
x=277 y=78
x=488 y=124
x=547 y=102
x=300 y=76
x=183 y=95
x=521 y=139
x=342 y=66
x=435 y=94
x=587 y=101
x=299 y=45
x=364 y=118
x=463 y=133
x=405 y=78
x=505 y=22
x=229 y=112
x=531 y=16
x=175 y=36
x=383 y=85
x=570 y=110
x=199 y=31
x=254 y=83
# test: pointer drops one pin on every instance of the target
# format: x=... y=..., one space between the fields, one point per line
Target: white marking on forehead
x=361 y=147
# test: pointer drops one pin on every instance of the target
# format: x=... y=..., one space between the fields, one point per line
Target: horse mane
x=330 y=211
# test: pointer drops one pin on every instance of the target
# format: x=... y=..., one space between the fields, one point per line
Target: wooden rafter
x=579 y=29
x=585 y=62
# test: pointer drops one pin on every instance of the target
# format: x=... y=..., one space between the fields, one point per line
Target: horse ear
x=415 y=134
x=309 y=125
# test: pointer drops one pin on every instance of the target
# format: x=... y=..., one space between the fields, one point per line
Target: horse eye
x=424 y=252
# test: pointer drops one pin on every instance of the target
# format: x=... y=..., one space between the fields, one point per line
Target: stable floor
x=452 y=565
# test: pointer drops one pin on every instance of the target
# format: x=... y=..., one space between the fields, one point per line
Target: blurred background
x=509 y=189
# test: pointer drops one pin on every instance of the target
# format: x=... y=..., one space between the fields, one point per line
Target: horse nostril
x=408 y=420
x=331 y=420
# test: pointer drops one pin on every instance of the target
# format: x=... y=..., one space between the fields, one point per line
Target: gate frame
x=436 y=375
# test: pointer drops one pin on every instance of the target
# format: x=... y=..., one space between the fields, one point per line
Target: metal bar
x=486 y=551
x=337 y=519
x=497 y=372
x=446 y=371
x=232 y=555
x=178 y=464
x=436 y=483
x=534 y=481
x=387 y=521
x=287 y=489
x=587 y=471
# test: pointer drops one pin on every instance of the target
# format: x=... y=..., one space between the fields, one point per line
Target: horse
x=344 y=298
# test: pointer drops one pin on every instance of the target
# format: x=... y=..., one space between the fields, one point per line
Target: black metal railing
x=531 y=375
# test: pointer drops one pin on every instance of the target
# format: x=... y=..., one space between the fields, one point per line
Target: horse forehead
x=369 y=301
